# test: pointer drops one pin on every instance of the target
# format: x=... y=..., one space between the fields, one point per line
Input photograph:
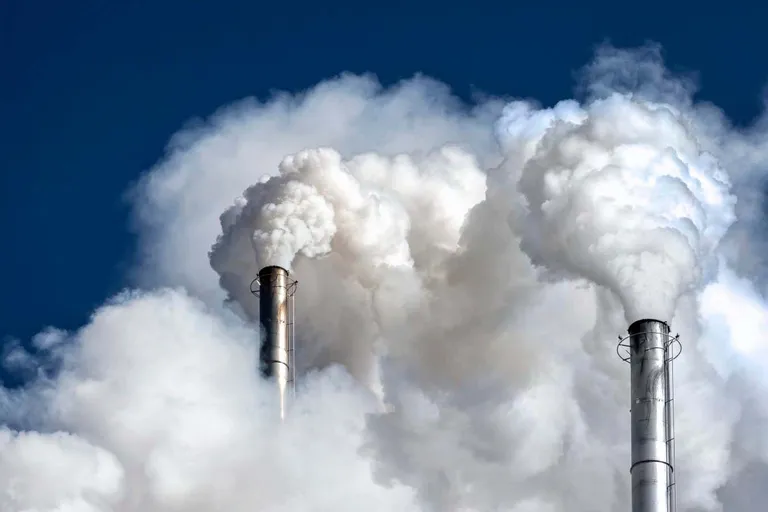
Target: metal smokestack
x=651 y=350
x=276 y=312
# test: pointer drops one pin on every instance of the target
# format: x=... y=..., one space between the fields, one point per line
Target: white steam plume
x=621 y=193
x=462 y=274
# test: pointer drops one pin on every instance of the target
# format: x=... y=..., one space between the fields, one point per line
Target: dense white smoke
x=621 y=192
x=463 y=274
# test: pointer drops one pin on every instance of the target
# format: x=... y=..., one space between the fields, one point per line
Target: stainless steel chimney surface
x=651 y=351
x=276 y=308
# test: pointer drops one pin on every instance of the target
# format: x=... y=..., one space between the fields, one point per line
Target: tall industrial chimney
x=276 y=310
x=651 y=350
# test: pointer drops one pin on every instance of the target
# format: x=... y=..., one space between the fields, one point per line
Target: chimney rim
x=269 y=269
x=643 y=320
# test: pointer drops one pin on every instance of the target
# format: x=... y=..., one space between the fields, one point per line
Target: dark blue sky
x=91 y=92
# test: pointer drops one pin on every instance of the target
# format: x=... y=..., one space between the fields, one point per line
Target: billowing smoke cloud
x=462 y=276
x=621 y=193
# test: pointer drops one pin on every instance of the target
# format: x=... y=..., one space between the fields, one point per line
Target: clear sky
x=91 y=92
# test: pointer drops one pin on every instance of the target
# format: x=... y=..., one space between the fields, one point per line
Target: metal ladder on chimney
x=672 y=349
